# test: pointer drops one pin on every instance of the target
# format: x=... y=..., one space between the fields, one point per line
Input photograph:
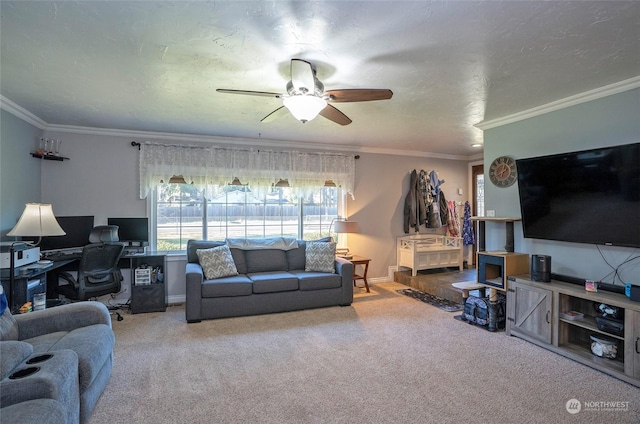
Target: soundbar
x=580 y=281
x=568 y=279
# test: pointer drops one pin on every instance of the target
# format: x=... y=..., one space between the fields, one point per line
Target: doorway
x=477 y=208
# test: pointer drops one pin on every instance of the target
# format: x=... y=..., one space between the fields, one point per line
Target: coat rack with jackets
x=425 y=204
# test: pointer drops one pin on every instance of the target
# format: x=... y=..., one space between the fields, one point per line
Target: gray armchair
x=60 y=358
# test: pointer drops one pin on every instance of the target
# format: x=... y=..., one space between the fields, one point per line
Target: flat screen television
x=78 y=229
x=590 y=196
x=131 y=229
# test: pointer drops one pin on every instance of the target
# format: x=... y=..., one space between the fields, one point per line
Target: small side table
x=360 y=260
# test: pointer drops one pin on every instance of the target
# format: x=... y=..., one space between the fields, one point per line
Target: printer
x=24 y=254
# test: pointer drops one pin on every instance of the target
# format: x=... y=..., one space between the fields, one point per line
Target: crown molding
x=607 y=90
x=142 y=136
x=32 y=119
x=21 y=113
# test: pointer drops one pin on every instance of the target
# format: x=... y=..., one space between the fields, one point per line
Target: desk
x=17 y=295
x=144 y=298
x=360 y=260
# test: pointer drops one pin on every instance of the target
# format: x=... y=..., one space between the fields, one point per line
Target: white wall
x=608 y=121
x=19 y=172
x=382 y=183
x=101 y=179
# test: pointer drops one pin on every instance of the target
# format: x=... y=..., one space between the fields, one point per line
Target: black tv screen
x=131 y=229
x=590 y=196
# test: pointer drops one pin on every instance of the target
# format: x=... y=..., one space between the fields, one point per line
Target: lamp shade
x=37 y=220
x=346 y=226
x=304 y=107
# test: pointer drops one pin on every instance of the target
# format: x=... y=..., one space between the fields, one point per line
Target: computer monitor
x=77 y=228
x=131 y=229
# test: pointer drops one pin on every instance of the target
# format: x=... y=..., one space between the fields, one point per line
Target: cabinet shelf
x=578 y=352
x=589 y=323
x=533 y=313
x=49 y=157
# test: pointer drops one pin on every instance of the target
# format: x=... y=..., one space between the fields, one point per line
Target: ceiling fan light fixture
x=304 y=107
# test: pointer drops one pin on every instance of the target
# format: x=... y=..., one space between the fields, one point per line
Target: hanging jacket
x=434 y=219
x=444 y=209
x=414 y=213
x=453 y=225
x=467 y=226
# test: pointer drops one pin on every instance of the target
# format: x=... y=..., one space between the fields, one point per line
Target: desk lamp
x=343 y=226
x=37 y=220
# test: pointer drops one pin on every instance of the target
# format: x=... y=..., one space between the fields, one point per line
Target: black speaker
x=541 y=268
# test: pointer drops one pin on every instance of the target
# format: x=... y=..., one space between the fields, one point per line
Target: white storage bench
x=426 y=251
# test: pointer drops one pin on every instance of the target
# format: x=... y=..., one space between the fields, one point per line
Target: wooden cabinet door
x=529 y=312
x=635 y=342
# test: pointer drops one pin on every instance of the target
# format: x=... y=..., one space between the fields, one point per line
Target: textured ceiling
x=155 y=66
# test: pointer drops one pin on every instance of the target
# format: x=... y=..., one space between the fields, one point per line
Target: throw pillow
x=320 y=256
x=217 y=262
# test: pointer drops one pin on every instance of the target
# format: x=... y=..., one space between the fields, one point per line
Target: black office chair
x=98 y=273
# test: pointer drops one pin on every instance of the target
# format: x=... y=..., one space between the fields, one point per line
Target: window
x=184 y=211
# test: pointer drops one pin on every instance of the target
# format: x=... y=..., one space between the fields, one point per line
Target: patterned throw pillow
x=320 y=256
x=217 y=262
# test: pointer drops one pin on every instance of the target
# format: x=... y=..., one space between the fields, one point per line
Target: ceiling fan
x=305 y=97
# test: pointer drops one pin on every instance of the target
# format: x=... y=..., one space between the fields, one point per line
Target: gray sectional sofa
x=271 y=277
x=55 y=363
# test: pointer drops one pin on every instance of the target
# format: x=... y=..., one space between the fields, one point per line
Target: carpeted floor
x=438 y=302
x=385 y=359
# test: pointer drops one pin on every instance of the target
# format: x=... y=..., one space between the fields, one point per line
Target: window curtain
x=258 y=168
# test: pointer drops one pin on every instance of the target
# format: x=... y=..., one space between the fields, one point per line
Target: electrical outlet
x=491 y=213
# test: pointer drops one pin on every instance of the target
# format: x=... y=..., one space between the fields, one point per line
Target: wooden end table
x=360 y=260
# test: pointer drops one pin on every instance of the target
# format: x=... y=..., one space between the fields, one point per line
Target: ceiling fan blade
x=358 y=95
x=250 y=93
x=276 y=114
x=333 y=114
x=302 y=77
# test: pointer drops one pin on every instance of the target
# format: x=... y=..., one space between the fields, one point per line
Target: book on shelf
x=571 y=315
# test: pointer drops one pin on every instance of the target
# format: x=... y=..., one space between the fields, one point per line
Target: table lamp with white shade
x=343 y=226
x=37 y=220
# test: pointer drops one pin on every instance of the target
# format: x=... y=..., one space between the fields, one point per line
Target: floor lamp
x=342 y=227
x=37 y=220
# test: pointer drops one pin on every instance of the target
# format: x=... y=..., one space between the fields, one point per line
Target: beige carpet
x=386 y=359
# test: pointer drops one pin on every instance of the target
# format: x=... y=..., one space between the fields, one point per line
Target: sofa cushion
x=217 y=262
x=238 y=285
x=296 y=257
x=308 y=281
x=266 y=260
x=8 y=325
x=41 y=411
x=12 y=353
x=320 y=256
x=194 y=245
x=274 y=281
x=93 y=344
x=281 y=243
x=239 y=260
x=45 y=342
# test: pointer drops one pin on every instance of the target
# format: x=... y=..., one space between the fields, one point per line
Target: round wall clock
x=502 y=171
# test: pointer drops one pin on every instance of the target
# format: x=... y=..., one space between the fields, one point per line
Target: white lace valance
x=257 y=168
